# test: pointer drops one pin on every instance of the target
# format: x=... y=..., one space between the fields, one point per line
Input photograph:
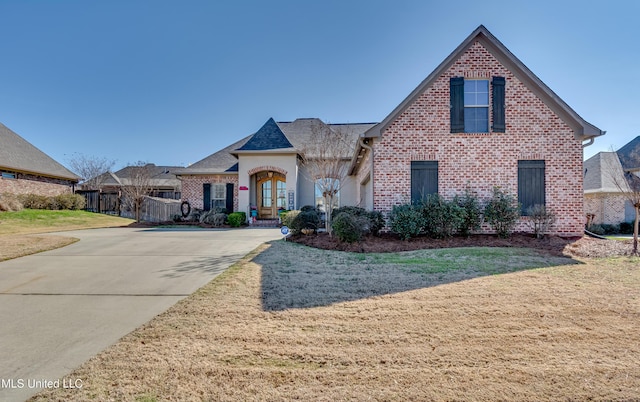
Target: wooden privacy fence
x=155 y=210
x=104 y=203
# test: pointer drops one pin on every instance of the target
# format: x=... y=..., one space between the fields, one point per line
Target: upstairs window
x=476 y=106
x=470 y=105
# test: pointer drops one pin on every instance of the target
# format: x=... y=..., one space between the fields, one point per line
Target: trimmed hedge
x=236 y=219
x=349 y=227
x=62 y=201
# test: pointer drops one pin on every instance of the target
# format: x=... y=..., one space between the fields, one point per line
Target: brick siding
x=192 y=188
x=607 y=208
x=482 y=161
x=32 y=184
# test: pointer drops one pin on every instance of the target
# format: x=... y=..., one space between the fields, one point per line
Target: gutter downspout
x=370 y=149
x=592 y=139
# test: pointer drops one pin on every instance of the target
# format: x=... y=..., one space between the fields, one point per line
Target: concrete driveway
x=61 y=307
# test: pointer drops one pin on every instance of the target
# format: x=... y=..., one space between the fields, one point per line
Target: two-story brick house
x=481 y=119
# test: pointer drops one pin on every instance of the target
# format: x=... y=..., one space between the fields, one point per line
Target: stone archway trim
x=266 y=168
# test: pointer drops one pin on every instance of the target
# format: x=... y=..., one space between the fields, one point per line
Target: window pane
x=266 y=194
x=476 y=120
x=281 y=188
x=476 y=93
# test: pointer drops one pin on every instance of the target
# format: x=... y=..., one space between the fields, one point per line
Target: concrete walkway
x=61 y=307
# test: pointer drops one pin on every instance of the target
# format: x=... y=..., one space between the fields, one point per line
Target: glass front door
x=271 y=196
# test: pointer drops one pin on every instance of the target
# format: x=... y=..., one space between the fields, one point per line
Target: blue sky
x=171 y=82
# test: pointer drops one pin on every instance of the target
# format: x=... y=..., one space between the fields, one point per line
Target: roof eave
x=73 y=178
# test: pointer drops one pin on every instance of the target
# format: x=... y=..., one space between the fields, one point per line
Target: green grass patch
x=487 y=260
x=42 y=221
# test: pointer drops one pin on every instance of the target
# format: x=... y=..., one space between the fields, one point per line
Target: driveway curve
x=61 y=307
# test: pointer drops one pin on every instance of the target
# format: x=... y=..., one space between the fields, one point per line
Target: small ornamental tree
x=137 y=187
x=326 y=158
x=91 y=170
x=627 y=179
x=502 y=212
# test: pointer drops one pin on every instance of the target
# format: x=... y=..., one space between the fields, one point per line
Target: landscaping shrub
x=539 y=220
x=68 y=201
x=288 y=217
x=610 y=229
x=307 y=218
x=502 y=212
x=441 y=218
x=213 y=218
x=194 y=215
x=596 y=229
x=626 y=228
x=35 y=201
x=10 y=202
x=236 y=219
x=472 y=212
x=349 y=227
x=406 y=221
x=373 y=220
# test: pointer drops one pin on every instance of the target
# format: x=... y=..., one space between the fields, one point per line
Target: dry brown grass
x=20 y=245
x=297 y=323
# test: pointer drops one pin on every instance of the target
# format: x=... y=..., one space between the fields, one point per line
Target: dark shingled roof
x=630 y=154
x=268 y=137
x=280 y=136
x=18 y=154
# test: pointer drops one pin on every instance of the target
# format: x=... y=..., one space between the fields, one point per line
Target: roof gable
x=16 y=153
x=269 y=137
x=297 y=134
x=582 y=129
x=601 y=172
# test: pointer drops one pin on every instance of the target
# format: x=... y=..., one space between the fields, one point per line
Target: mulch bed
x=574 y=247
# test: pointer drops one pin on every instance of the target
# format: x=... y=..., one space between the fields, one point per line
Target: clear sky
x=170 y=82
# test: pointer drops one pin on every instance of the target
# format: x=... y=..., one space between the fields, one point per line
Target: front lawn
x=17 y=229
x=295 y=323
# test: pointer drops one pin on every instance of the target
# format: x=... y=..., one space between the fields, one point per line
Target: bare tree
x=326 y=156
x=136 y=185
x=627 y=181
x=92 y=169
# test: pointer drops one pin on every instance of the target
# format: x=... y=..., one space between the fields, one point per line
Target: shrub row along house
x=481 y=119
x=24 y=169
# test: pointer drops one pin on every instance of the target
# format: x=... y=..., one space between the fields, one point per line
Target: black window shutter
x=424 y=179
x=456 y=88
x=531 y=184
x=498 y=104
x=206 y=196
x=229 y=200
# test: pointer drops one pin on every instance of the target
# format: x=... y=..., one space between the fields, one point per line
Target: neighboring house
x=163 y=182
x=481 y=119
x=604 y=200
x=24 y=169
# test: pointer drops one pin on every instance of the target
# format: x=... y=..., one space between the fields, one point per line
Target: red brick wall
x=30 y=184
x=485 y=160
x=192 y=188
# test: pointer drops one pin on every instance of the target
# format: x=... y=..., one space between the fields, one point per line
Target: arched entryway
x=271 y=193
